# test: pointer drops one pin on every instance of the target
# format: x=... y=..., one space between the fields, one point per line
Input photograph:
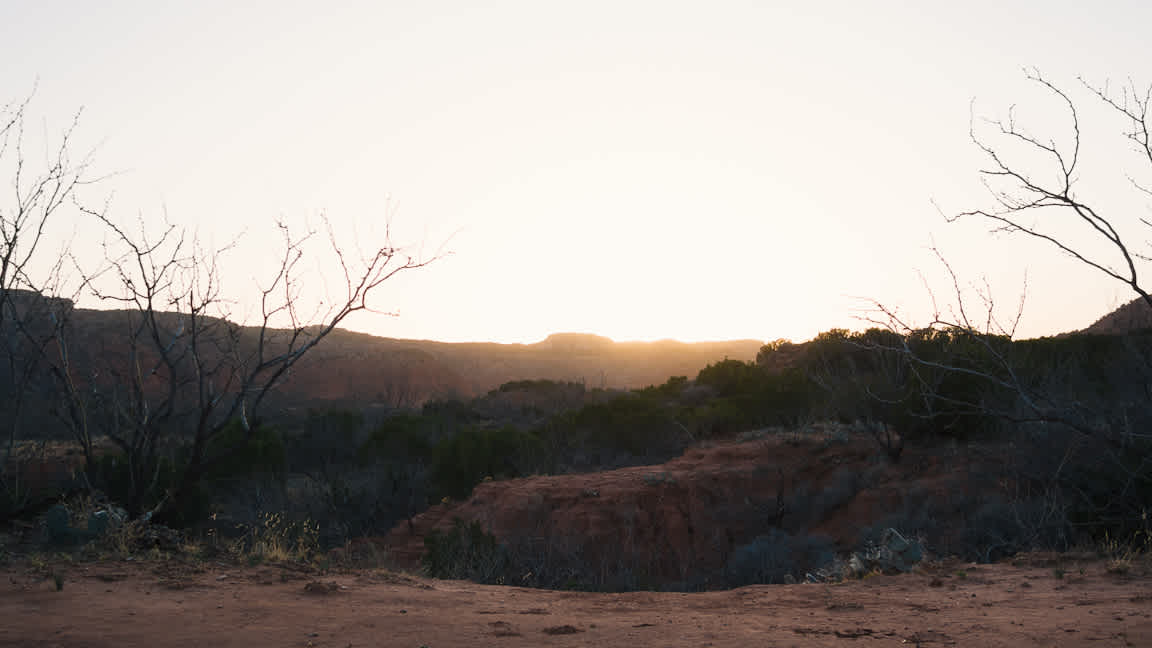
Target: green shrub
x=324 y=439
x=406 y=436
x=778 y=557
x=465 y=459
x=465 y=552
x=637 y=424
x=113 y=472
x=242 y=453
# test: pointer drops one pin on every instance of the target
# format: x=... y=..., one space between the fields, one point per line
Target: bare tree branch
x=31 y=318
x=1018 y=193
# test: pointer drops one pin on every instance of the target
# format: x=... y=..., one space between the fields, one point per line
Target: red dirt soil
x=681 y=521
x=175 y=604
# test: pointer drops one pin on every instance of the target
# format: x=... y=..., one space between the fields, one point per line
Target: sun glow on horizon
x=642 y=172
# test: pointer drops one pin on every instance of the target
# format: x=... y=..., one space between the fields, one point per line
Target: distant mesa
x=577 y=342
x=23 y=299
x=350 y=369
x=33 y=308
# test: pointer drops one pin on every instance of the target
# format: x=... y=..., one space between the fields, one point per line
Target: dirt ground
x=1032 y=602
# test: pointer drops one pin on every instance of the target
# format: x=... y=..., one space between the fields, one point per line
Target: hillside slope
x=368 y=369
x=1133 y=316
x=359 y=370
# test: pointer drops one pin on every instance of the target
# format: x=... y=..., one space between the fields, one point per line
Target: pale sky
x=639 y=170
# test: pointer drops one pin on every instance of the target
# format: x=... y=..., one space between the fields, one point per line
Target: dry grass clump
x=1128 y=556
x=275 y=538
x=278 y=539
x=355 y=554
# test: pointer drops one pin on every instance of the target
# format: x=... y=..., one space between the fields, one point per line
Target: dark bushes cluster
x=778 y=557
x=363 y=476
x=465 y=552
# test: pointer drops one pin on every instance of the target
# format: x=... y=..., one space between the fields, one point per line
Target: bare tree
x=1065 y=462
x=169 y=370
x=1034 y=182
x=956 y=342
x=179 y=373
x=1032 y=198
x=38 y=193
x=900 y=382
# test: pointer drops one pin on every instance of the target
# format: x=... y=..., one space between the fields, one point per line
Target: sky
x=640 y=170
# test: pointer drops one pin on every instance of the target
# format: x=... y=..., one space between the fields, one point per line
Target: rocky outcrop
x=895 y=554
x=782 y=504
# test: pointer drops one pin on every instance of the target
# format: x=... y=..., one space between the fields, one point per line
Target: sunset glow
x=639 y=170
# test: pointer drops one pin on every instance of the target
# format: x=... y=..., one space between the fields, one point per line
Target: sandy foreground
x=212 y=604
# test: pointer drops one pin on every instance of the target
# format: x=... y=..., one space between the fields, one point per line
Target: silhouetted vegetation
x=930 y=387
x=466 y=551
